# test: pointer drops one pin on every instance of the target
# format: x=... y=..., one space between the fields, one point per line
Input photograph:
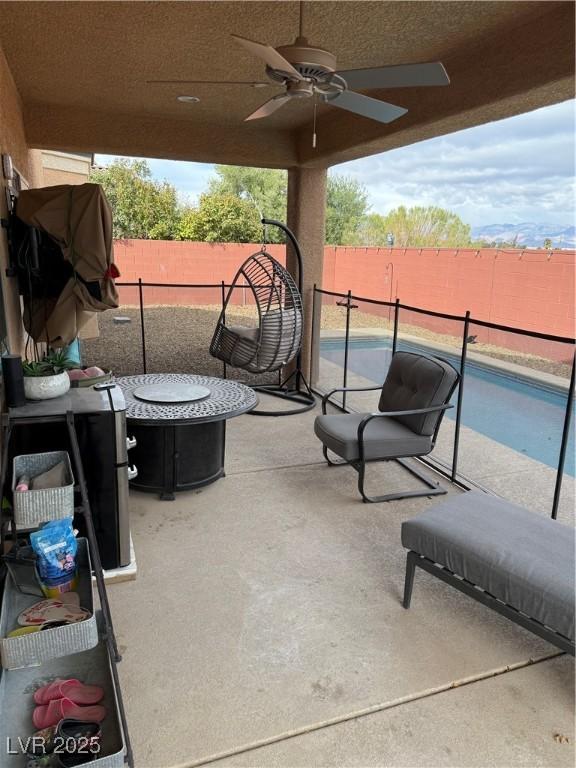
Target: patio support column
x=306 y=219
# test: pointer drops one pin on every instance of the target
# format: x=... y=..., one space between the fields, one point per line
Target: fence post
x=396 y=313
x=314 y=353
x=564 y=444
x=223 y=296
x=347 y=339
x=460 y=395
x=142 y=332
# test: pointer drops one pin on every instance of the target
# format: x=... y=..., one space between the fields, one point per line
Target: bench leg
x=411 y=562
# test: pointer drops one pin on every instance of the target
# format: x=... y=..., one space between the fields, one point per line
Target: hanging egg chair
x=278 y=336
x=277 y=339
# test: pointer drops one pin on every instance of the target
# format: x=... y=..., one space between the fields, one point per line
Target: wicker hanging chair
x=278 y=336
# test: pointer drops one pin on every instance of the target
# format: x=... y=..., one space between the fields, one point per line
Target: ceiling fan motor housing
x=314 y=63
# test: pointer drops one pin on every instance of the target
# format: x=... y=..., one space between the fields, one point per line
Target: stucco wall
x=64 y=168
x=532 y=289
x=28 y=164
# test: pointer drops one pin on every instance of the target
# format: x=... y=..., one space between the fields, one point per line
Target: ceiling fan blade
x=253 y=83
x=364 y=105
x=270 y=56
x=269 y=107
x=400 y=76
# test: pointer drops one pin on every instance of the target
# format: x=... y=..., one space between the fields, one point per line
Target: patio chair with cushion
x=413 y=399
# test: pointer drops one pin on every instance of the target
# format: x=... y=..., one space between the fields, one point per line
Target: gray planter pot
x=46 y=387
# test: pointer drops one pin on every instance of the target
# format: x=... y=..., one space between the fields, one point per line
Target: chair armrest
x=346 y=389
x=414 y=412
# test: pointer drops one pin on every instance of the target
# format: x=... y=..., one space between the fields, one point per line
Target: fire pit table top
x=225 y=400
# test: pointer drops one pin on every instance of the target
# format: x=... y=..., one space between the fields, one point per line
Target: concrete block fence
x=529 y=289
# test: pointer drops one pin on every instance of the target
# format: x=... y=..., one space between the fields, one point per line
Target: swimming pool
x=516 y=412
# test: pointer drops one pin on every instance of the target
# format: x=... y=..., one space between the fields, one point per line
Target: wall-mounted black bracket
x=11 y=270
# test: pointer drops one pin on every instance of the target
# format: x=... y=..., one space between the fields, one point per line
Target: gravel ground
x=178 y=340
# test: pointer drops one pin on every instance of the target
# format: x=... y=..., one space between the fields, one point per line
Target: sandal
x=58 y=709
x=71 y=689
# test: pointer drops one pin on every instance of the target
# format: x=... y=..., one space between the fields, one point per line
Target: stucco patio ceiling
x=82 y=70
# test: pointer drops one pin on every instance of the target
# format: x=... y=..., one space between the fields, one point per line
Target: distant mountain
x=527 y=234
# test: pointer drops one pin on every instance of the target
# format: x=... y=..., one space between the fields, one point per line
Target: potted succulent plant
x=48 y=377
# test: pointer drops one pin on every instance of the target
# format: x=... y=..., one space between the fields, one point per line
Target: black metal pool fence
x=395 y=314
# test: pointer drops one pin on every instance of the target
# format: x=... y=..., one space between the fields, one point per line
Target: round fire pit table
x=179 y=422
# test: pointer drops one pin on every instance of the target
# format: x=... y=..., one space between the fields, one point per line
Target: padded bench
x=517 y=562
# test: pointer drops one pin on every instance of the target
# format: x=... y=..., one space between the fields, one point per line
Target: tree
x=141 y=207
x=346 y=206
x=501 y=244
x=221 y=218
x=427 y=227
x=372 y=231
x=346 y=202
x=266 y=188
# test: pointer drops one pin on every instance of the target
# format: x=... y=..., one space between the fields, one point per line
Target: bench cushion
x=522 y=558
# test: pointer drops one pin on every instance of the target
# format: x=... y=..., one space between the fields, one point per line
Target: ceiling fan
x=305 y=71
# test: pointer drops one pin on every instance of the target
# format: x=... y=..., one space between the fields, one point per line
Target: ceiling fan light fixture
x=188 y=99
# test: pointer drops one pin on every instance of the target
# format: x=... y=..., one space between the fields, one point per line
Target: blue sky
x=516 y=170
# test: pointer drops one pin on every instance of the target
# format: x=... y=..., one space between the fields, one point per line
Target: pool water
x=516 y=412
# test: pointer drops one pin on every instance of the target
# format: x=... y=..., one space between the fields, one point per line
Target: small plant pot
x=46 y=387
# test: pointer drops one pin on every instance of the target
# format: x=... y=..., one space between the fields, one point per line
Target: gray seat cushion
x=520 y=557
x=250 y=334
x=281 y=336
x=417 y=381
x=383 y=437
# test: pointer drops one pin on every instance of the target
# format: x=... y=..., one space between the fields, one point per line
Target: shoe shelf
x=93 y=667
x=86 y=650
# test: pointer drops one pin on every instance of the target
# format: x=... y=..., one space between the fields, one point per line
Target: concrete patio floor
x=265 y=628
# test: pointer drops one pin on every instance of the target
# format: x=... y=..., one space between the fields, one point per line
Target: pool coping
x=550 y=380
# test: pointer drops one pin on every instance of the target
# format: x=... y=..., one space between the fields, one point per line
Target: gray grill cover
x=520 y=557
x=417 y=381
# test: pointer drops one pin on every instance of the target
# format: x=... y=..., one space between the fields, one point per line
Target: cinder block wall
x=530 y=289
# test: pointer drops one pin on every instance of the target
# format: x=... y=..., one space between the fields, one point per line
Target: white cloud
x=519 y=169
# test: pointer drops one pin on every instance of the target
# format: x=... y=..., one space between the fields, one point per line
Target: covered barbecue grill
x=66 y=266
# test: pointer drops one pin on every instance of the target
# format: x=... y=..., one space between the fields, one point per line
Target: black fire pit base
x=177 y=457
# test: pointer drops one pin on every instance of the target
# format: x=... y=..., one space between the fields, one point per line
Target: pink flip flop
x=58 y=709
x=71 y=689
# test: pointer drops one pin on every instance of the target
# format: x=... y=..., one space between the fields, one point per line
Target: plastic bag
x=56 y=548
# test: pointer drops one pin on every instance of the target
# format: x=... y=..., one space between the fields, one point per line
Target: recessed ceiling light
x=188 y=99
